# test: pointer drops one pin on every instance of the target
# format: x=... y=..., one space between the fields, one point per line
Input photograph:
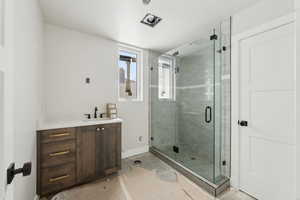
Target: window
x=166 y=78
x=130 y=68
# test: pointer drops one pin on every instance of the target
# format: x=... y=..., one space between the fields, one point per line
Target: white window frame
x=140 y=68
x=172 y=80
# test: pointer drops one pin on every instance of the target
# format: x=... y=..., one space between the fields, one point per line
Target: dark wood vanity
x=72 y=156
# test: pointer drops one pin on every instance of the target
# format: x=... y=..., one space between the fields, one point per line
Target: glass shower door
x=195 y=107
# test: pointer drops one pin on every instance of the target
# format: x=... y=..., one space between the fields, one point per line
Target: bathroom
x=179 y=96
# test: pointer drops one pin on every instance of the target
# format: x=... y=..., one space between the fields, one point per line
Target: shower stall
x=190 y=108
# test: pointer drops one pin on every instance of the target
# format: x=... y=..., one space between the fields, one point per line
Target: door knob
x=243 y=123
x=100 y=129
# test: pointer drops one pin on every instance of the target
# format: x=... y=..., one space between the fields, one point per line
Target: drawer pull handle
x=59 y=153
x=59 y=135
x=51 y=180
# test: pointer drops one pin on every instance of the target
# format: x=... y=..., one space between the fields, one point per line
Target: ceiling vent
x=151 y=20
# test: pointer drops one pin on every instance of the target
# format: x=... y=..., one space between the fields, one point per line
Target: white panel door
x=267 y=102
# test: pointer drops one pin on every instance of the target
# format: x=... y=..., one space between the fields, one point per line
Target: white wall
x=297 y=5
x=8 y=146
x=2 y=166
x=70 y=57
x=28 y=40
x=260 y=13
x=136 y=117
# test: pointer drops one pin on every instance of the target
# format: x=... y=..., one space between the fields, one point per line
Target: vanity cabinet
x=72 y=156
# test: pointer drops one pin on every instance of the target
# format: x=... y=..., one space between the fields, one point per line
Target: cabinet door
x=112 y=148
x=86 y=162
x=100 y=151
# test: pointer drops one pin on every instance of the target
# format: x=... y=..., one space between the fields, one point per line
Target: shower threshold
x=211 y=188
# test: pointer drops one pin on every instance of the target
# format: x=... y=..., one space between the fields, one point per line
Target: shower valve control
x=243 y=123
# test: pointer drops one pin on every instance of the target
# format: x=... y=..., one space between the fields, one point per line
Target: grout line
x=224 y=77
x=187 y=194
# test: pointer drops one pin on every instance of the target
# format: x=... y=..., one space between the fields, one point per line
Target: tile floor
x=150 y=180
x=199 y=163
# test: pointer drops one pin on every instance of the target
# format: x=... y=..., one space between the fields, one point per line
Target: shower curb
x=211 y=188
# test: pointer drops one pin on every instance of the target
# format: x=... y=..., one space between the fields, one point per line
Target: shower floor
x=197 y=162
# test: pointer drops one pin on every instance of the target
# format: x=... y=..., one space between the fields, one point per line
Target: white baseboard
x=36 y=197
x=136 y=151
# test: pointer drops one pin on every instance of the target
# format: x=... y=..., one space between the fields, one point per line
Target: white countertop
x=70 y=124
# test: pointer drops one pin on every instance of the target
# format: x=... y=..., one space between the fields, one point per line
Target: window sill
x=130 y=100
x=167 y=100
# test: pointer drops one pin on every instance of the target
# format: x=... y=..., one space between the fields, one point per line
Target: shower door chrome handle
x=208 y=111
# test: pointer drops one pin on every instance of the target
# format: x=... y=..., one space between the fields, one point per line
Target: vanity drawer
x=57 y=135
x=53 y=154
x=55 y=179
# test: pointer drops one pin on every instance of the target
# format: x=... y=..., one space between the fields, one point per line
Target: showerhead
x=175 y=53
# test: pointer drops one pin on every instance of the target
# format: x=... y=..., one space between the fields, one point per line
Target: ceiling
x=119 y=20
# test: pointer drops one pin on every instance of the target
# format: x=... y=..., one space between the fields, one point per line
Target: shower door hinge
x=224 y=162
x=176 y=69
x=151 y=138
x=213 y=37
x=176 y=149
x=243 y=123
x=151 y=68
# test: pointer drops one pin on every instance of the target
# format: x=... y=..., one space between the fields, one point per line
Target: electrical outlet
x=141 y=138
